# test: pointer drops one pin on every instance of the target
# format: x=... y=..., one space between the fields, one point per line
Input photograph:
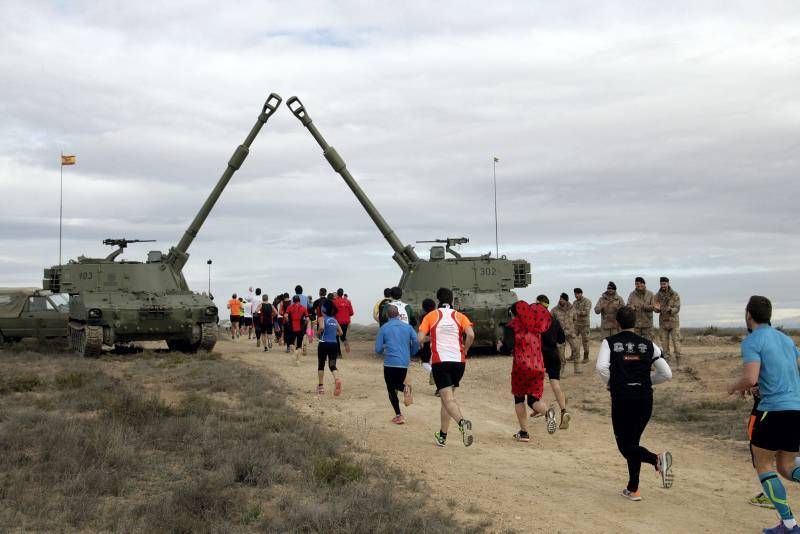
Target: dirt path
x=562 y=483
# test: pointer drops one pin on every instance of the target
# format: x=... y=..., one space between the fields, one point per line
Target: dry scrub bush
x=83 y=450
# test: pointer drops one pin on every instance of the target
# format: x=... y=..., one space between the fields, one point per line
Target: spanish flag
x=67 y=160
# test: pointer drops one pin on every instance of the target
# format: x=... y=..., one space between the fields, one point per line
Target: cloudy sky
x=634 y=138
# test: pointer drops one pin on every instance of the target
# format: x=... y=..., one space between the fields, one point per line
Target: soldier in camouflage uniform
x=565 y=313
x=668 y=306
x=607 y=306
x=583 y=307
x=642 y=301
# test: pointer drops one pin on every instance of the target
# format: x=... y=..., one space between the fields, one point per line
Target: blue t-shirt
x=303 y=300
x=330 y=330
x=779 y=378
x=397 y=341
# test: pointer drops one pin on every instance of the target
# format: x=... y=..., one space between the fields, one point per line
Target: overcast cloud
x=634 y=139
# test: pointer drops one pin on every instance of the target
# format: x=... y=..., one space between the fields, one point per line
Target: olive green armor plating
x=482 y=285
x=115 y=301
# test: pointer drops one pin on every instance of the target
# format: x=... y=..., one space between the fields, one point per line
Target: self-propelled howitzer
x=482 y=285
x=117 y=301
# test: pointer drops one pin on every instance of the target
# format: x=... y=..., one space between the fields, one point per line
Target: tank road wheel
x=86 y=340
x=94 y=341
x=208 y=336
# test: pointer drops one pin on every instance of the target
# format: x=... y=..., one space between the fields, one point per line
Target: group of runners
x=629 y=365
x=293 y=322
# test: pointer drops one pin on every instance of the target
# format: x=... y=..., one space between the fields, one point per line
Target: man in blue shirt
x=771 y=361
x=397 y=341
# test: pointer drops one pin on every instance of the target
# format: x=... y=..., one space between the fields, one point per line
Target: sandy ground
x=566 y=482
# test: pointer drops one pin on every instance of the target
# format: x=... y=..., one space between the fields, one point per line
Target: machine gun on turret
x=449 y=242
x=122 y=243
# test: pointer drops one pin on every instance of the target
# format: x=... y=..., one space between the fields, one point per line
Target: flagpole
x=60 y=205
x=494 y=179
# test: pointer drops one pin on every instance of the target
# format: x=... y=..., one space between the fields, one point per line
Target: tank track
x=86 y=341
x=208 y=336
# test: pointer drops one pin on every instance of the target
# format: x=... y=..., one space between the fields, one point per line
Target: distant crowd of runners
x=628 y=362
x=293 y=322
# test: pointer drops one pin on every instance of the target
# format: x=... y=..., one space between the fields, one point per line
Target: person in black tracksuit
x=624 y=363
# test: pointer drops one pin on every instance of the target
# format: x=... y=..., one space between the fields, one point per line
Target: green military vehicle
x=118 y=302
x=31 y=312
x=482 y=285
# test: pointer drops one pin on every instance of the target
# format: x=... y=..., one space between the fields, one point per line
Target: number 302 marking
x=85 y=275
x=488 y=271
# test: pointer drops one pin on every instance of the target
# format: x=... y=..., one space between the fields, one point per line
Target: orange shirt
x=446 y=327
x=235 y=306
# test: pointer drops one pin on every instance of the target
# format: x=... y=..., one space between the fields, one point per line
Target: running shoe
x=551 y=420
x=761 y=501
x=465 y=427
x=631 y=495
x=664 y=468
x=399 y=420
x=320 y=389
x=565 y=419
x=266 y=349
x=522 y=436
x=337 y=389
x=408 y=397
x=782 y=529
x=440 y=440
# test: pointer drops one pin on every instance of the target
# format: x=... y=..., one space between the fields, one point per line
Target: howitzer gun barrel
x=239 y=155
x=404 y=254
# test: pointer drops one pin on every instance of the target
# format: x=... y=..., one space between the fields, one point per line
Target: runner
x=522 y=339
x=552 y=362
x=451 y=336
x=264 y=323
x=328 y=330
x=428 y=305
x=407 y=314
x=233 y=306
x=296 y=317
x=277 y=305
x=397 y=341
x=377 y=310
x=771 y=360
x=344 y=311
x=624 y=364
x=247 y=309
x=320 y=301
x=241 y=315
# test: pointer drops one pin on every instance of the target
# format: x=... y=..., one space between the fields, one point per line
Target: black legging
x=341 y=338
x=394 y=378
x=629 y=417
x=326 y=350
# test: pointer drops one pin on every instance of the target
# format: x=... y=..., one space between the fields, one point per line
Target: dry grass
x=93 y=445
